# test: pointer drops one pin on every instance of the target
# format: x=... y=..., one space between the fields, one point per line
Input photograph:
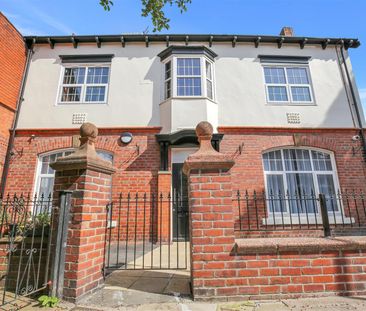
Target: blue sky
x=322 y=18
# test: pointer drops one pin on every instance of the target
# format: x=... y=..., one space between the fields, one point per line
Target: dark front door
x=180 y=203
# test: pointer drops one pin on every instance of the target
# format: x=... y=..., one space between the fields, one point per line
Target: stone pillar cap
x=85 y=157
x=207 y=157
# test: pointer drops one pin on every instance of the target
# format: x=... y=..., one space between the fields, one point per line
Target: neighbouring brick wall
x=6 y=121
x=12 y=62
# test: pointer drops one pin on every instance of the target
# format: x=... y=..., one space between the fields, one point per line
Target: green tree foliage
x=154 y=9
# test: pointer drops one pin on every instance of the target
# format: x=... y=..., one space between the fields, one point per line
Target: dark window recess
x=89 y=58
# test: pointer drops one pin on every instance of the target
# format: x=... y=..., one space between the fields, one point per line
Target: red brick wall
x=137 y=168
x=12 y=62
x=137 y=164
x=280 y=275
x=247 y=173
x=6 y=121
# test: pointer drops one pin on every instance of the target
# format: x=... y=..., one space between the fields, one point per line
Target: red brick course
x=247 y=173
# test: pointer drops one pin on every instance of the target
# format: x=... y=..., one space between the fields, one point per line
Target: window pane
x=297 y=76
x=71 y=94
x=300 y=93
x=74 y=75
x=208 y=70
x=168 y=91
x=297 y=160
x=301 y=189
x=209 y=89
x=274 y=75
x=326 y=187
x=277 y=93
x=189 y=86
x=97 y=75
x=95 y=94
x=272 y=161
x=46 y=186
x=276 y=193
x=321 y=161
x=188 y=67
x=45 y=163
x=168 y=71
x=105 y=156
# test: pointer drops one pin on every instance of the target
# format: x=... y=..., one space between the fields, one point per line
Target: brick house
x=13 y=54
x=286 y=109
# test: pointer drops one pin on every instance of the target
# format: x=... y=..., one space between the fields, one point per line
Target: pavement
x=168 y=290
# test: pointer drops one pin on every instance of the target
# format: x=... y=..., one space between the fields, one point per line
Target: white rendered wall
x=136 y=88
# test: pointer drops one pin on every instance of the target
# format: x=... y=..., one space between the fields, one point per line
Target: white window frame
x=166 y=80
x=288 y=85
x=84 y=85
x=174 y=77
x=284 y=217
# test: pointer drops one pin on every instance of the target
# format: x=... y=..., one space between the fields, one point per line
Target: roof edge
x=209 y=38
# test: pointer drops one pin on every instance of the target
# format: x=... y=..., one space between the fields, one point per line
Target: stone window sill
x=304 y=220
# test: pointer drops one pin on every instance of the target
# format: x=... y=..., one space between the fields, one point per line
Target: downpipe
x=355 y=103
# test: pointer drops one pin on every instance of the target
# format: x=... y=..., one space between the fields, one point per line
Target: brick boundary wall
x=224 y=268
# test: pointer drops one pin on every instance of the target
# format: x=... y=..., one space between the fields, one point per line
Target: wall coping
x=270 y=245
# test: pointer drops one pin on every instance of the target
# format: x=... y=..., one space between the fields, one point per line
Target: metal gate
x=144 y=232
x=25 y=246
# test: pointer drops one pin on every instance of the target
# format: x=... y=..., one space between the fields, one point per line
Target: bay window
x=188 y=71
x=188 y=77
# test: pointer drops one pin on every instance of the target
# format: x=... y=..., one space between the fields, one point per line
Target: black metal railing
x=338 y=213
x=25 y=235
x=147 y=231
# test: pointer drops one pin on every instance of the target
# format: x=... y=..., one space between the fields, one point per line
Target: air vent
x=79 y=118
x=293 y=118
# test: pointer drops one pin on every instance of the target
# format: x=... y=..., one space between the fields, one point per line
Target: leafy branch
x=154 y=9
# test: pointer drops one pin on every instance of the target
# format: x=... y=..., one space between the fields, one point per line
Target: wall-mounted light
x=126 y=138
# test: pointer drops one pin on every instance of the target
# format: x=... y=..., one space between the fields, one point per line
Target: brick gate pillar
x=89 y=178
x=211 y=215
